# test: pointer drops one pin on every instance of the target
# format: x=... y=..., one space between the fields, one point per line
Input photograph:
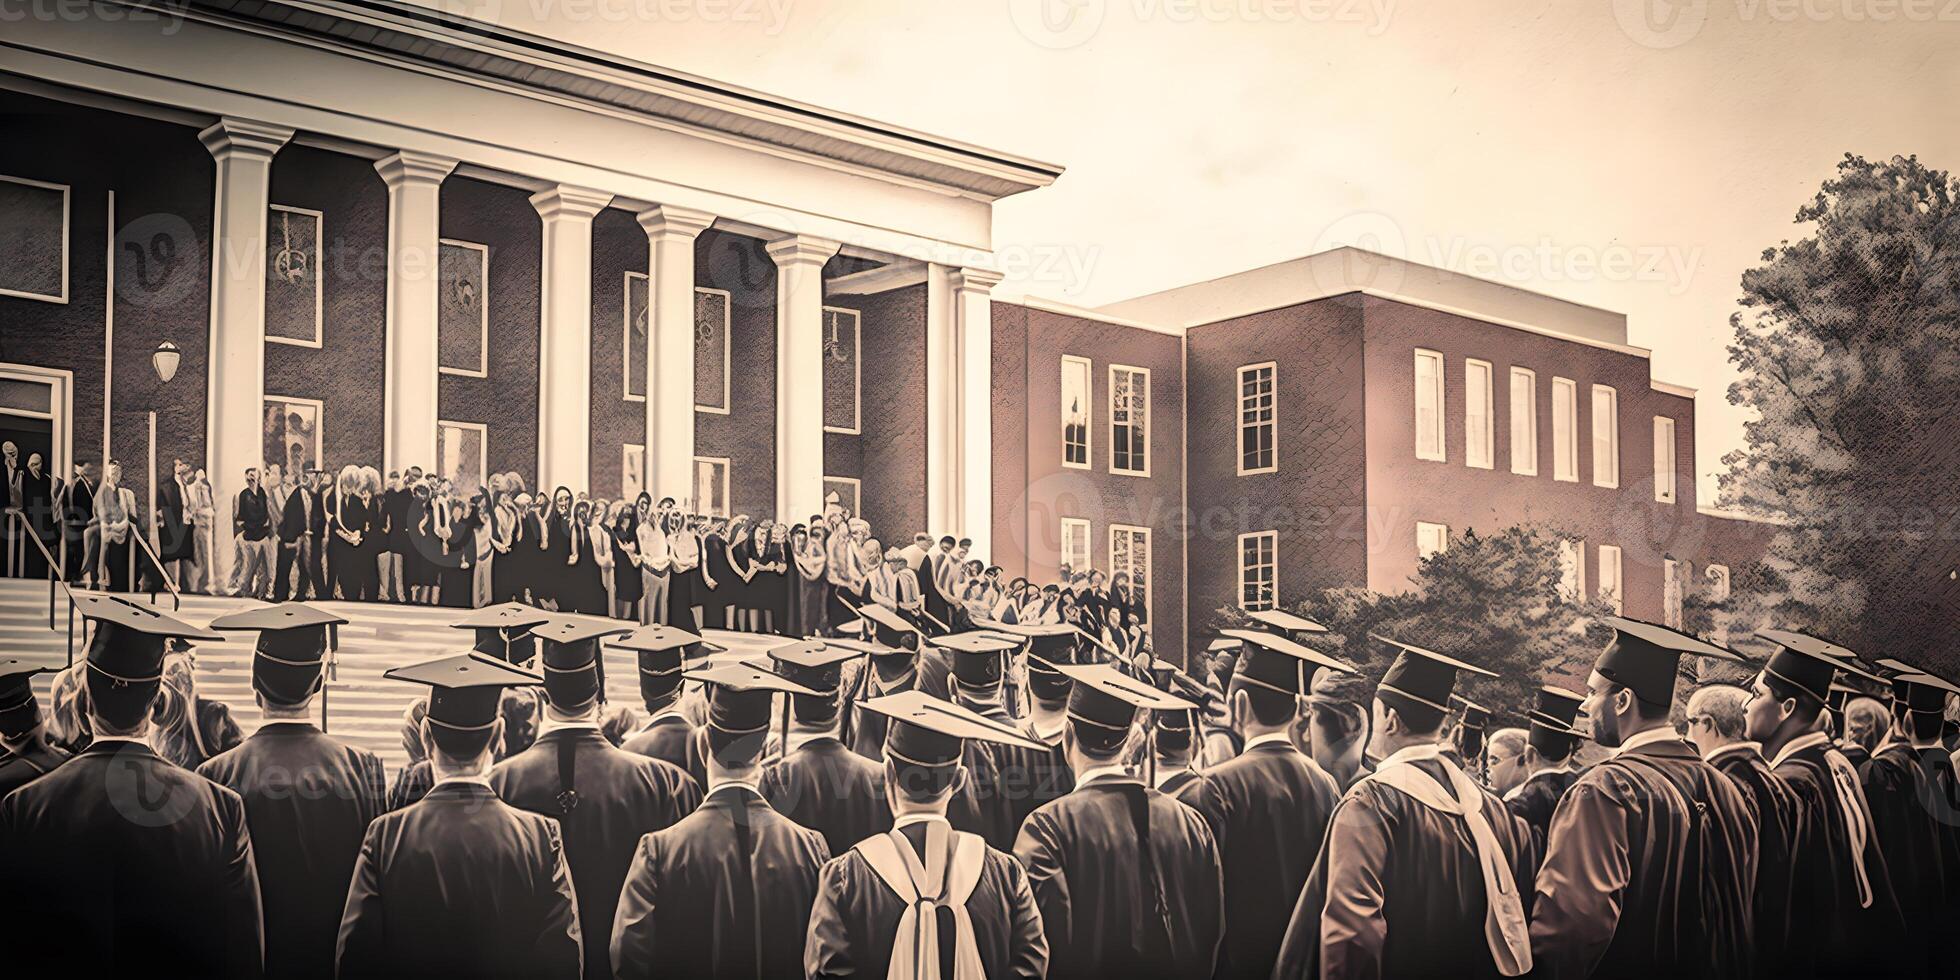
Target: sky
x=1635 y=155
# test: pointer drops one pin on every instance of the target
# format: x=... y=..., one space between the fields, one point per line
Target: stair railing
x=57 y=578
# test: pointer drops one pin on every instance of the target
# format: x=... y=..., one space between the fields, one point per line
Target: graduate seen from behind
x=1907 y=784
x=26 y=754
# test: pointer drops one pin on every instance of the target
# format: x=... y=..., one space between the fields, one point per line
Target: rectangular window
x=293 y=296
x=1431 y=539
x=1258 y=570
x=1075 y=545
x=711 y=486
x=1257 y=425
x=713 y=350
x=1129 y=420
x=1565 y=430
x=33 y=239
x=1129 y=554
x=1524 y=422
x=632 y=470
x=1609 y=576
x=1672 y=579
x=463 y=308
x=1479 y=441
x=1663 y=459
x=1606 y=436
x=1572 y=570
x=462 y=448
x=1429 y=406
x=292 y=432
x=1076 y=400
x=1718 y=582
x=847 y=490
x=842 y=370
x=633 y=350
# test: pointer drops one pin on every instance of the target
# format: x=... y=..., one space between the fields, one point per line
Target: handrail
x=57 y=575
x=176 y=597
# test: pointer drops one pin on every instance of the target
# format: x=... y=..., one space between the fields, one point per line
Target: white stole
x=953 y=862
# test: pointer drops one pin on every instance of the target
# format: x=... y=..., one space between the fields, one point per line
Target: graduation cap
x=574 y=664
x=1554 y=719
x=291 y=647
x=887 y=627
x=978 y=663
x=865 y=646
x=1470 y=714
x=502 y=630
x=1278 y=664
x=661 y=651
x=1924 y=694
x=465 y=690
x=1645 y=656
x=818 y=666
x=1807 y=663
x=1283 y=622
x=18 y=710
x=125 y=654
x=1424 y=677
x=1105 y=701
x=742 y=696
x=929 y=733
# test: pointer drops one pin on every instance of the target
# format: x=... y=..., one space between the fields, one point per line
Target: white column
x=409 y=349
x=799 y=373
x=942 y=456
x=565 y=336
x=235 y=387
x=973 y=406
x=671 y=233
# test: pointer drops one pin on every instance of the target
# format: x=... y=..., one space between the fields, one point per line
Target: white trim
x=67 y=214
x=857 y=367
x=1617 y=594
x=1148 y=394
x=1089 y=409
x=727 y=350
x=1150 y=577
x=897 y=274
x=1610 y=481
x=1088 y=545
x=857 y=491
x=727 y=472
x=1729 y=514
x=1064 y=309
x=1570 y=420
x=1668 y=491
x=626 y=334
x=1723 y=579
x=483 y=434
x=1574 y=551
x=626 y=449
x=319 y=278
x=1441 y=454
x=61 y=398
x=109 y=326
x=1674 y=584
x=1432 y=527
x=1272 y=597
x=319 y=428
x=1272 y=395
x=1490 y=415
x=1668 y=388
x=1530 y=378
x=483 y=296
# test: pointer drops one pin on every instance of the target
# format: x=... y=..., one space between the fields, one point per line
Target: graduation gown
x=17 y=769
x=1535 y=799
x=621 y=798
x=309 y=798
x=461 y=884
x=726 y=892
x=854 y=924
x=1649 y=871
x=830 y=789
x=665 y=737
x=1127 y=881
x=1832 y=934
x=1906 y=825
x=1398 y=890
x=1778 y=826
x=1030 y=779
x=411 y=784
x=1268 y=810
x=121 y=864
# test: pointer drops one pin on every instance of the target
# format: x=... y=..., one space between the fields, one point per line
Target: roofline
x=1740 y=515
x=1382 y=294
x=1670 y=388
x=1065 y=309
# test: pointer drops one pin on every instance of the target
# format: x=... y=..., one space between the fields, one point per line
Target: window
x=1606 y=436
x=1129 y=420
x=842 y=370
x=1672 y=578
x=292 y=432
x=1075 y=544
x=1609 y=576
x=847 y=489
x=1429 y=406
x=1572 y=570
x=1524 y=422
x=463 y=308
x=1258 y=570
x=1257 y=427
x=1479 y=446
x=1565 y=430
x=293 y=294
x=711 y=486
x=633 y=350
x=1075 y=412
x=1129 y=554
x=33 y=239
x=632 y=470
x=1718 y=582
x=1431 y=539
x=712 y=350
x=1663 y=459
x=462 y=448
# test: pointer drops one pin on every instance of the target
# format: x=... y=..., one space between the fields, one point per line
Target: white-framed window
x=636 y=319
x=1572 y=569
x=632 y=471
x=462 y=452
x=1258 y=570
x=1429 y=406
x=849 y=491
x=1673 y=578
x=711 y=486
x=1479 y=409
x=1524 y=421
x=1129 y=554
x=843 y=370
x=294 y=295
x=1075 y=545
x=294 y=432
x=1258 y=422
x=34 y=239
x=1077 y=400
x=463 y=308
x=1565 y=430
x=1610 y=590
x=1431 y=539
x=1129 y=420
x=1605 y=436
x=1718 y=582
x=1664 y=481
x=714 y=350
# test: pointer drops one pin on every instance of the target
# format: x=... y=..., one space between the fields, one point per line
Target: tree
x=1848 y=343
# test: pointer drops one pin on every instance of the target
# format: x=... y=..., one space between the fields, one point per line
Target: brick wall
x=506 y=401
x=890 y=455
x=747 y=434
x=618 y=246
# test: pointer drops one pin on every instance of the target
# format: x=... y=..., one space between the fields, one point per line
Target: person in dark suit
x=604 y=799
x=661 y=651
x=176 y=537
x=25 y=752
x=37 y=505
x=461 y=883
x=1549 y=749
x=1910 y=816
x=82 y=536
x=820 y=783
x=291 y=528
x=313 y=552
x=1715 y=726
x=1109 y=861
x=309 y=796
x=727 y=891
x=118 y=862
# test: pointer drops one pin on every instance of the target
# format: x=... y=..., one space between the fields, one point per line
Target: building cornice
x=1668 y=388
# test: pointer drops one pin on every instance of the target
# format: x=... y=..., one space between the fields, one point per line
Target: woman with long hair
x=807 y=549
x=505 y=522
x=428 y=536
x=584 y=591
x=739 y=591
x=482 y=555
x=976 y=597
x=347 y=522
x=189 y=729
x=782 y=592
x=458 y=538
x=555 y=547
x=656 y=565
x=373 y=539
x=718 y=581
x=628 y=586
x=685 y=587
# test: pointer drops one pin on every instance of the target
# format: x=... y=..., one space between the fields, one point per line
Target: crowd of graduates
x=911 y=798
